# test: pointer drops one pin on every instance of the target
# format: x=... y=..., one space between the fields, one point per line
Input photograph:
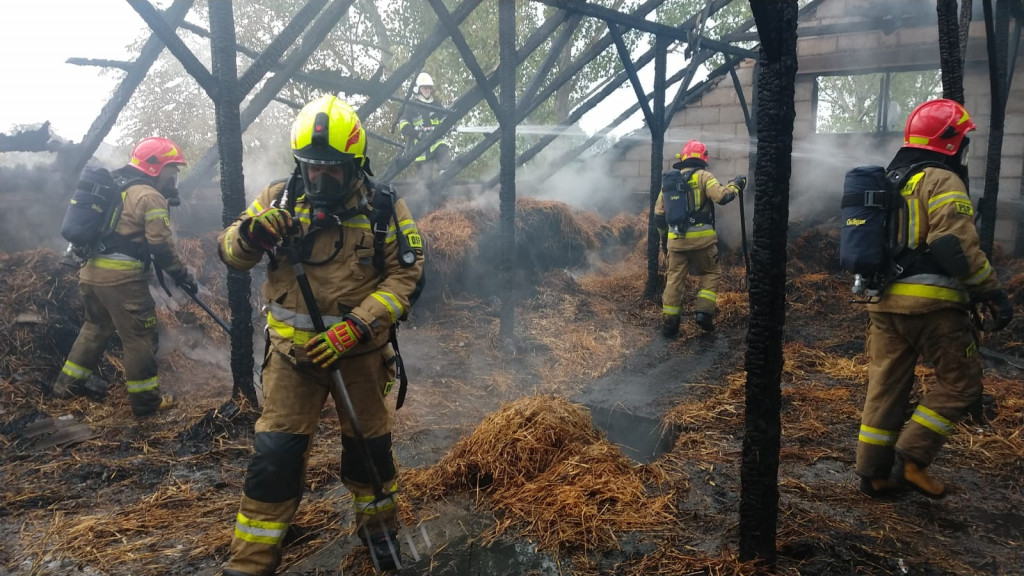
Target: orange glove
x=325 y=348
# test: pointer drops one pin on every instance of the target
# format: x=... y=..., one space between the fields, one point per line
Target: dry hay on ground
x=82 y=504
x=41 y=312
x=451 y=236
x=551 y=477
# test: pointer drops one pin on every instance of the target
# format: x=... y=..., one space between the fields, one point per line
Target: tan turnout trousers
x=945 y=339
x=129 y=310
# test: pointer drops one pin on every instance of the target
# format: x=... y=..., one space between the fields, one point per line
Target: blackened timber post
x=507 y=195
x=949 y=51
x=323 y=25
x=759 y=497
x=997 y=30
x=657 y=124
x=232 y=185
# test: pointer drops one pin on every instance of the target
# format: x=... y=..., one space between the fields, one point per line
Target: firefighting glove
x=184 y=279
x=266 y=229
x=409 y=131
x=740 y=182
x=326 y=347
x=998 y=309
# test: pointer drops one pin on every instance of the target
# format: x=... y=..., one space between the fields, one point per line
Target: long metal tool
x=340 y=393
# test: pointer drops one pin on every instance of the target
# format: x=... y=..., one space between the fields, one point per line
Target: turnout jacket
x=344 y=281
x=703 y=186
x=146 y=223
x=939 y=212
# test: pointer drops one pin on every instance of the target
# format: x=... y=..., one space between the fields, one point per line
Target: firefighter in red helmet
x=925 y=311
x=685 y=217
x=114 y=283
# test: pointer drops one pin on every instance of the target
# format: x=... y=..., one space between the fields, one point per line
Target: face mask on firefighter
x=325 y=188
x=167 y=184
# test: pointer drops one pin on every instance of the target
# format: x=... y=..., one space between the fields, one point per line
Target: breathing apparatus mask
x=169 y=190
x=324 y=192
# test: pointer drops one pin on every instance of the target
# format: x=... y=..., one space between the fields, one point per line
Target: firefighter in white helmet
x=423 y=112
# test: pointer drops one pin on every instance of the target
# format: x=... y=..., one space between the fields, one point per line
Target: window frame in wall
x=882 y=110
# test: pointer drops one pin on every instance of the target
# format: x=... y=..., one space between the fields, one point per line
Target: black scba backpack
x=873 y=215
x=678 y=197
x=94 y=212
x=95 y=208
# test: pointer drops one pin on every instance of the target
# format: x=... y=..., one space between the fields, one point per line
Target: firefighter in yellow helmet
x=325 y=210
x=924 y=312
x=685 y=218
x=114 y=282
x=423 y=113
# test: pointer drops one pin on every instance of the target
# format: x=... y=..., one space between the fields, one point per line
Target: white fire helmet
x=424 y=79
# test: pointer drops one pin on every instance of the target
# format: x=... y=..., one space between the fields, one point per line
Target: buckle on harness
x=882 y=198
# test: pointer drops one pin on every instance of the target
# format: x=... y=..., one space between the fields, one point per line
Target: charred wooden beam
x=100 y=127
x=547 y=28
x=506 y=113
x=583 y=108
x=272 y=54
x=657 y=125
x=997 y=30
x=467 y=53
x=232 y=183
x=852 y=27
x=759 y=470
x=467 y=101
x=949 y=51
x=33 y=140
x=569 y=25
x=418 y=59
x=188 y=60
x=101 y=62
x=316 y=79
x=680 y=34
x=311 y=40
x=634 y=79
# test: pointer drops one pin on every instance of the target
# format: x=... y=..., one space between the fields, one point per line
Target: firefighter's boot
x=384 y=550
x=914 y=476
x=670 y=325
x=705 y=320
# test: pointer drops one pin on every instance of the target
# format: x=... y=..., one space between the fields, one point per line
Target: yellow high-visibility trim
x=670 y=310
x=157 y=213
x=708 y=294
x=932 y=420
x=940 y=200
x=925 y=291
x=136 y=386
x=76 y=371
x=700 y=233
x=114 y=264
x=393 y=306
x=259 y=531
x=979 y=276
x=877 y=436
x=254 y=208
x=231 y=240
x=299 y=337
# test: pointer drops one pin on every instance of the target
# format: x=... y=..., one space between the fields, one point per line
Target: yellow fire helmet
x=328 y=131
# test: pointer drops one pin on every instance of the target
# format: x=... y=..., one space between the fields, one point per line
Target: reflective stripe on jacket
x=938 y=206
x=701 y=235
x=347 y=283
x=144 y=219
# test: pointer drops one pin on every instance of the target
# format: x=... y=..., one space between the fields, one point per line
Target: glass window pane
x=909 y=89
x=848 y=103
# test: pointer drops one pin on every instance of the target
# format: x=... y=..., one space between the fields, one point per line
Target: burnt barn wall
x=820 y=160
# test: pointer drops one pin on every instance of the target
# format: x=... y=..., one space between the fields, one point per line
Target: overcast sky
x=37 y=37
x=36 y=83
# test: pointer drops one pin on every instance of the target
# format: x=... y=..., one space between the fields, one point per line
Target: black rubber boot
x=379 y=546
x=670 y=326
x=704 y=320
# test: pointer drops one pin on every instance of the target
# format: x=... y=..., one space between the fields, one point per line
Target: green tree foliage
x=854 y=103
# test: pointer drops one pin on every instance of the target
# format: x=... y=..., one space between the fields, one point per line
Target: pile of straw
x=550 y=476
